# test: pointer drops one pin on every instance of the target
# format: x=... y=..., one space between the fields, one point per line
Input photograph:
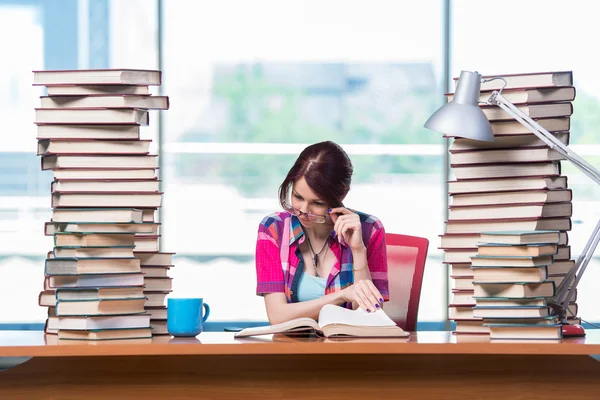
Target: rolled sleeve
x=269 y=274
x=377 y=260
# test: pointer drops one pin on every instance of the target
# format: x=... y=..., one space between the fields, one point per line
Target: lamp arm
x=562 y=297
x=552 y=142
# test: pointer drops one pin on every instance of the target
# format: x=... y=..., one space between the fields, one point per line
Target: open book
x=335 y=321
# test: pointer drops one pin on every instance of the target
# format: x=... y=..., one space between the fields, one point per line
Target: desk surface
x=36 y=344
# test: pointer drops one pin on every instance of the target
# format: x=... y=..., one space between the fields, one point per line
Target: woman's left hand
x=347 y=225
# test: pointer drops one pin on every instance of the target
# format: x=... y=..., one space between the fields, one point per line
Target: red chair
x=406 y=263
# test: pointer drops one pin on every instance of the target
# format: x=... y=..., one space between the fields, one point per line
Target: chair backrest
x=406 y=257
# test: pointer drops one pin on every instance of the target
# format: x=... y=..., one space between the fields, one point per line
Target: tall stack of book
x=105 y=277
x=513 y=183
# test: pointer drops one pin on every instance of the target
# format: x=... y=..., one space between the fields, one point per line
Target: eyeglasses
x=319 y=219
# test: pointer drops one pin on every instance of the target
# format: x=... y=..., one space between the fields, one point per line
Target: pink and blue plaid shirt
x=279 y=267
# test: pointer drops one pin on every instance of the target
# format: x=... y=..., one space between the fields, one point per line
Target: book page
x=298 y=324
x=331 y=314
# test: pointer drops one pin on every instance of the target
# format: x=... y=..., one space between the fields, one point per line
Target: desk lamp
x=462 y=117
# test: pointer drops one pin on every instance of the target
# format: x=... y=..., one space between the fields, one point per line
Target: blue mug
x=184 y=316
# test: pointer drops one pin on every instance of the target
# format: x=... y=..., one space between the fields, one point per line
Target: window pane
x=261 y=83
x=65 y=34
x=524 y=50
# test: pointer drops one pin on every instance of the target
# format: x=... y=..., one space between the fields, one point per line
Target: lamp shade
x=462 y=116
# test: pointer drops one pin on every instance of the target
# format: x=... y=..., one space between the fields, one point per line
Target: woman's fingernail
x=376 y=305
x=381 y=300
x=368 y=310
x=329 y=210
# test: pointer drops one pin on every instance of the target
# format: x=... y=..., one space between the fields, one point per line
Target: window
x=53 y=34
x=253 y=83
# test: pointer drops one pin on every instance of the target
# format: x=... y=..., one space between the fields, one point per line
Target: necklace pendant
x=316 y=261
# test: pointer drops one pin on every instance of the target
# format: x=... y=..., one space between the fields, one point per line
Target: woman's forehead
x=302 y=188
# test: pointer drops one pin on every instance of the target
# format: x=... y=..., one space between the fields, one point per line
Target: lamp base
x=574 y=330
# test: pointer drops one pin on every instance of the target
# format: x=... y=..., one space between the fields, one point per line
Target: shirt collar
x=297 y=233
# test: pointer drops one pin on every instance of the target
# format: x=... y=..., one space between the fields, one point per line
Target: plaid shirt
x=279 y=267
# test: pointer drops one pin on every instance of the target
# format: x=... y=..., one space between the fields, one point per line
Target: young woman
x=317 y=251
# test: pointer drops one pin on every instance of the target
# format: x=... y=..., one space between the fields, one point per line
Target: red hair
x=327 y=170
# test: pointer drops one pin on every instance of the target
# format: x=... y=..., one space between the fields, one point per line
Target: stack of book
x=157 y=284
x=105 y=277
x=513 y=183
x=514 y=274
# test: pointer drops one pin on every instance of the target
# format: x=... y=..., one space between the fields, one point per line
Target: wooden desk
x=431 y=365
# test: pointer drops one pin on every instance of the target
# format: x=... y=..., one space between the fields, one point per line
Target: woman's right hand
x=365 y=294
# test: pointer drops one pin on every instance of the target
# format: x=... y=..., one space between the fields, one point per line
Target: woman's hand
x=365 y=294
x=347 y=225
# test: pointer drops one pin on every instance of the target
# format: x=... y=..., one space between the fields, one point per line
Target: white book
x=101 y=186
x=100 y=307
x=129 y=335
x=125 y=292
x=119 y=101
x=91 y=173
x=85 y=90
x=116 y=116
x=91 y=281
x=123 y=215
x=99 y=161
x=335 y=321
x=99 y=322
x=93 y=252
x=99 y=199
x=157 y=258
x=146 y=228
x=97 y=77
x=92 y=146
x=146 y=244
x=72 y=131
